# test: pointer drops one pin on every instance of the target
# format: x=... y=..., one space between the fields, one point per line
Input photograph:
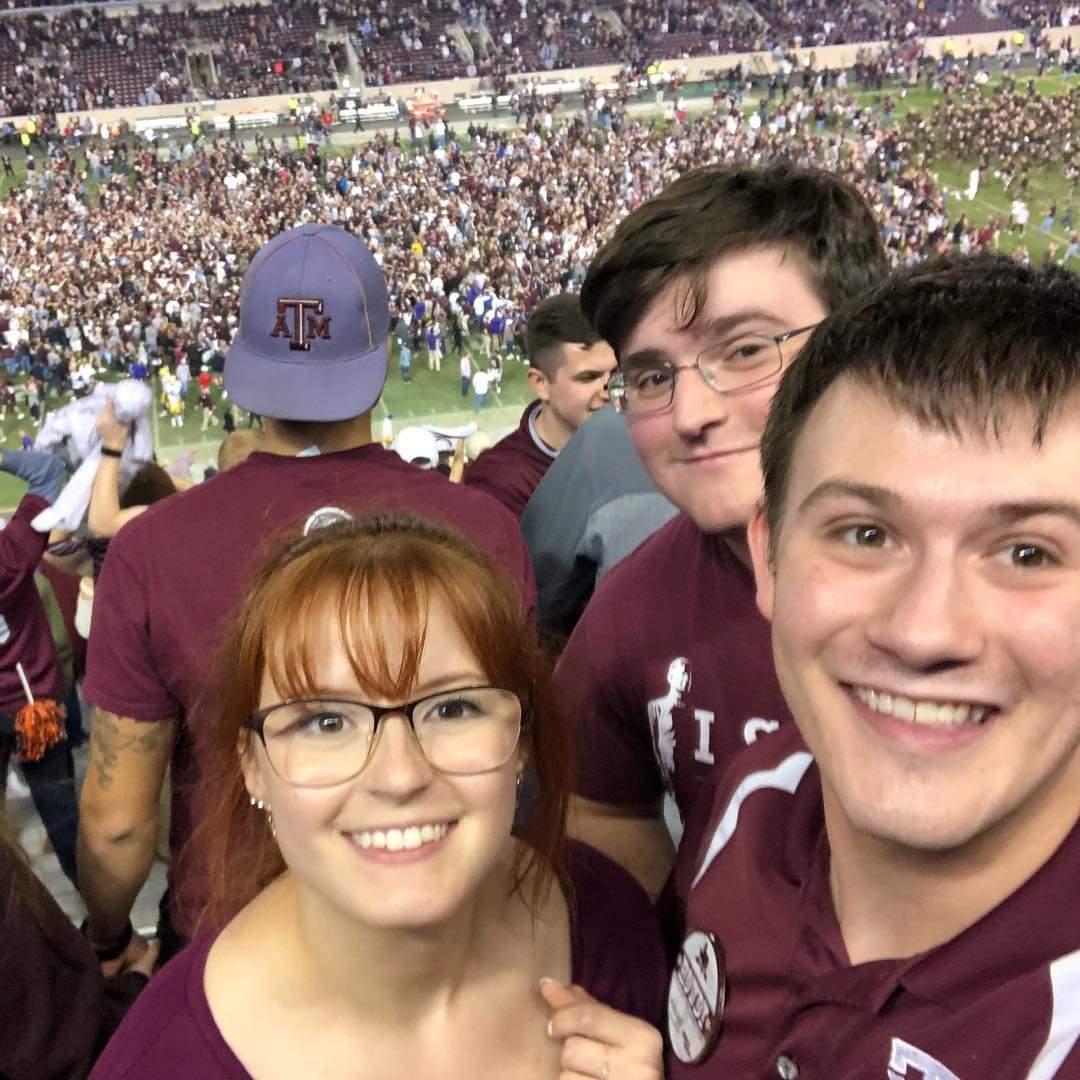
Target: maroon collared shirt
x=511 y=469
x=1001 y=1001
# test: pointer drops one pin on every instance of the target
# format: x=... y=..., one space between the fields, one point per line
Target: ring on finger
x=605 y=1073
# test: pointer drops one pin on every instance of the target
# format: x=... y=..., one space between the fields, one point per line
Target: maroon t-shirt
x=615 y=955
x=1000 y=1000
x=511 y=469
x=669 y=672
x=25 y=636
x=58 y=1010
x=175 y=574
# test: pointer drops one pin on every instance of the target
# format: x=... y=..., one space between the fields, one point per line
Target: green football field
x=435 y=397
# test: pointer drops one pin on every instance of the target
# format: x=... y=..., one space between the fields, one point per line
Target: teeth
x=903 y=709
x=401 y=839
x=929 y=713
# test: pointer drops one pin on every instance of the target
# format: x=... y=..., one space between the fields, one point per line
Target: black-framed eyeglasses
x=320 y=742
x=731 y=368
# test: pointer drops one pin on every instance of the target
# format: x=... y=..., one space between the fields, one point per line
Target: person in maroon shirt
x=59 y=1009
x=26 y=640
x=705 y=292
x=569 y=366
x=369 y=901
x=311 y=358
x=890 y=890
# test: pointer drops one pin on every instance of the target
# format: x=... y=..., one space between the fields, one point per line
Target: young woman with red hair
x=371 y=914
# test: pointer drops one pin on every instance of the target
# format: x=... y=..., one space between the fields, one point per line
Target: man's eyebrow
x=641 y=357
x=878 y=497
x=725 y=324
x=1011 y=512
x=1003 y=513
x=720 y=327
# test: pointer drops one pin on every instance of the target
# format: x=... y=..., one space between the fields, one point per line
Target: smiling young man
x=705 y=293
x=889 y=890
x=569 y=368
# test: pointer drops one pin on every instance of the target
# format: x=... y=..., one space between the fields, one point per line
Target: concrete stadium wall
x=697 y=68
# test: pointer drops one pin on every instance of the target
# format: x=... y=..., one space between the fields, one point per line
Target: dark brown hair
x=718 y=209
x=147 y=486
x=354 y=568
x=554 y=322
x=959 y=344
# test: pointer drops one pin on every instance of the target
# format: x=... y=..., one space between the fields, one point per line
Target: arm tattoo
x=108 y=741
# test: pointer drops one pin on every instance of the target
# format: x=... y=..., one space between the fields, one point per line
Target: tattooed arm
x=118 y=813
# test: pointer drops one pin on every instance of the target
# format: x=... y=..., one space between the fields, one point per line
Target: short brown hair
x=352 y=568
x=718 y=209
x=554 y=322
x=147 y=486
x=959 y=344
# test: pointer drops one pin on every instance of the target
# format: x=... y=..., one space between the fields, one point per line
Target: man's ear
x=758 y=537
x=539 y=383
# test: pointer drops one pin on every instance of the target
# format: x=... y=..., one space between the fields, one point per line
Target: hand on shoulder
x=598 y=1041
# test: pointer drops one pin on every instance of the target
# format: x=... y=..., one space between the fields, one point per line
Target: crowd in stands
x=84 y=58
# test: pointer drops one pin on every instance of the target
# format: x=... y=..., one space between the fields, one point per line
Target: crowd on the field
x=133 y=253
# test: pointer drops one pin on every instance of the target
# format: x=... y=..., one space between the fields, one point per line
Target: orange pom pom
x=38 y=726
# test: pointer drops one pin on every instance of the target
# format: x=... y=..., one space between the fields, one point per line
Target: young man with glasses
x=706 y=294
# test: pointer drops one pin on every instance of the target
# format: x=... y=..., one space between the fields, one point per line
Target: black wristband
x=105 y=953
x=108 y=451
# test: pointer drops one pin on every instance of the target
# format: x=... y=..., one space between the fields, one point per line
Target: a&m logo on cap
x=308 y=322
x=696 y=998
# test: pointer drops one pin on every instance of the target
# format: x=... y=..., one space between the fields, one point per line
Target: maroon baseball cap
x=314 y=322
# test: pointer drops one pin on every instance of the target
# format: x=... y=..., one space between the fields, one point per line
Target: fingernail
x=551 y=1027
x=545 y=979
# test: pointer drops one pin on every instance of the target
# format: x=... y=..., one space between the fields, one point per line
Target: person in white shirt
x=480 y=381
x=466 y=372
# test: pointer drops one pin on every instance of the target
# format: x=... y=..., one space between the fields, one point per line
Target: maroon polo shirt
x=615 y=955
x=669 y=672
x=511 y=469
x=175 y=574
x=1001 y=1000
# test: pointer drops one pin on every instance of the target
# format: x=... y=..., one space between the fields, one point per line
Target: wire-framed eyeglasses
x=730 y=368
x=320 y=742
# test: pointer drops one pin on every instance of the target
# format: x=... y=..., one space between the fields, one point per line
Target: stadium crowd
x=84 y=58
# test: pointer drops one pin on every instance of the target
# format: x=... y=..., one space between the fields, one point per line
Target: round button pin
x=696 y=996
x=787 y=1068
x=324 y=516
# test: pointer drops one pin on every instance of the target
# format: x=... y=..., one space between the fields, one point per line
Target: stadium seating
x=84 y=58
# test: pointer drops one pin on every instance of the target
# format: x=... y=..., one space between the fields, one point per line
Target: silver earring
x=270 y=822
x=257 y=803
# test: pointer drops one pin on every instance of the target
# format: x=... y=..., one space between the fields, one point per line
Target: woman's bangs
x=346 y=606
